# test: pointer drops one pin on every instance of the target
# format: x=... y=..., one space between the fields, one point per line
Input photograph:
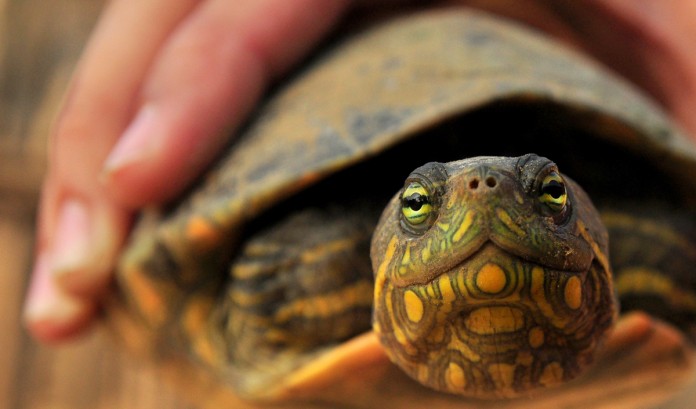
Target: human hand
x=162 y=83
x=159 y=87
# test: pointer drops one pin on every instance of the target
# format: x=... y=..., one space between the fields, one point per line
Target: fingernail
x=46 y=309
x=135 y=145
x=72 y=242
x=82 y=249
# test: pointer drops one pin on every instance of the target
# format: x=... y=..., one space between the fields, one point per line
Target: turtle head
x=491 y=277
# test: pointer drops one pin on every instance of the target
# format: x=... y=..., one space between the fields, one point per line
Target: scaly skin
x=494 y=293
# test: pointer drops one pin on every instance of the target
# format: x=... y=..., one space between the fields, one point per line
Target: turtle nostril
x=473 y=184
x=491 y=182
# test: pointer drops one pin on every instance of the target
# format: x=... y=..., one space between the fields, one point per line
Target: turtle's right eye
x=416 y=206
x=552 y=192
x=554 y=195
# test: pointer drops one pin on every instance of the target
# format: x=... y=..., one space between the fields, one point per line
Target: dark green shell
x=418 y=71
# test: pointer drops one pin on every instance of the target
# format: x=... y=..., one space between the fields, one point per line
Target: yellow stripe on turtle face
x=398 y=332
x=601 y=257
x=388 y=256
x=407 y=256
x=539 y=296
x=446 y=291
x=426 y=253
x=509 y=223
x=464 y=226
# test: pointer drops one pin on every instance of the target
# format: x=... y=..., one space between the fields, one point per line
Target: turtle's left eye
x=552 y=192
x=416 y=206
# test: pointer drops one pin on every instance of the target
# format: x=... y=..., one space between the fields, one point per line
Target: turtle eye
x=553 y=192
x=416 y=205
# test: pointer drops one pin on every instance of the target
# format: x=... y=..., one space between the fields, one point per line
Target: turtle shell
x=384 y=96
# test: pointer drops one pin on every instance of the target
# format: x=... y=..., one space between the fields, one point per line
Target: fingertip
x=51 y=329
x=88 y=236
x=50 y=315
x=73 y=266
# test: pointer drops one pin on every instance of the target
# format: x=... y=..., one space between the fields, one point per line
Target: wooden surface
x=39 y=44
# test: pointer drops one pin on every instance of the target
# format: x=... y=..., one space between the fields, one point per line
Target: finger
x=658 y=37
x=76 y=214
x=51 y=314
x=204 y=83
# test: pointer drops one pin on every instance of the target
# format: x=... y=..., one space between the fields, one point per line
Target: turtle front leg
x=295 y=290
x=654 y=261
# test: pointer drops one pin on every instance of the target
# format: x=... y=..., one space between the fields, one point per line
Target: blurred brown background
x=40 y=42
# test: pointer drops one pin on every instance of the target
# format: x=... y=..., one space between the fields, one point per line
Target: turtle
x=439 y=208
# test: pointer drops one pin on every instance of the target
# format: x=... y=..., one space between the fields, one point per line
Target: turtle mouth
x=495 y=264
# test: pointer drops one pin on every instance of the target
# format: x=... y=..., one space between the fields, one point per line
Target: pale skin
x=163 y=84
